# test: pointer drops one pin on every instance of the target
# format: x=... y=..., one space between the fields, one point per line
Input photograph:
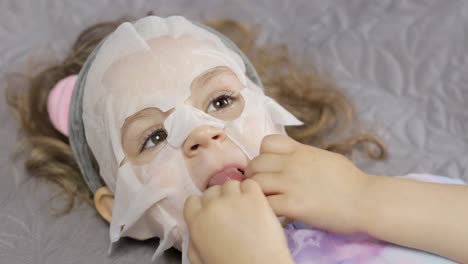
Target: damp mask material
x=153 y=63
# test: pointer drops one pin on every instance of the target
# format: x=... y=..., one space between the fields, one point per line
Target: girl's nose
x=202 y=137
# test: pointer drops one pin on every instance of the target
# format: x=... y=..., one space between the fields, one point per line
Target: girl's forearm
x=427 y=216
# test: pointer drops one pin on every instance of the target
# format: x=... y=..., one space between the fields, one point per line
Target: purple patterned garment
x=310 y=245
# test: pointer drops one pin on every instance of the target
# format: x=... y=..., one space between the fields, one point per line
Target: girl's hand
x=311 y=185
x=233 y=223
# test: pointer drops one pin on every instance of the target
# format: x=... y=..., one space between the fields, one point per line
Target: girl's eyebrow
x=137 y=117
x=201 y=80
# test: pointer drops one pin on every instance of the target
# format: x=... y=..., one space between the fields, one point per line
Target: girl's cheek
x=195 y=170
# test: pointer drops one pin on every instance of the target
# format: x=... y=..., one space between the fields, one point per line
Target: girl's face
x=145 y=91
x=178 y=72
x=167 y=117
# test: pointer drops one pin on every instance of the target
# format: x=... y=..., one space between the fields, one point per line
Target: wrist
x=365 y=207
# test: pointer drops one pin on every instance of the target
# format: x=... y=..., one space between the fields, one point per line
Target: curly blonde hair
x=328 y=115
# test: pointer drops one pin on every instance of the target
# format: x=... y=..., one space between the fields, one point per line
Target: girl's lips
x=224 y=175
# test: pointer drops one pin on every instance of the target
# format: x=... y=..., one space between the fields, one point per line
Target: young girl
x=171 y=109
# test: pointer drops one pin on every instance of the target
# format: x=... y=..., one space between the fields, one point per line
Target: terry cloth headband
x=77 y=137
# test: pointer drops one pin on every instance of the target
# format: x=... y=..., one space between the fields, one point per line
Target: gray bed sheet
x=403 y=62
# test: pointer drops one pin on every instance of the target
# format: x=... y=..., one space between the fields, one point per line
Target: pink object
x=58 y=103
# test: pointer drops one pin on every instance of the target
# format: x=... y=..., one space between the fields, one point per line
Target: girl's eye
x=156 y=137
x=220 y=102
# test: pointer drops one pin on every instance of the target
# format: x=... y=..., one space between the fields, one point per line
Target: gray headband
x=77 y=136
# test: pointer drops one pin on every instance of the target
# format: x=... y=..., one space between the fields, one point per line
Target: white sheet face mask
x=153 y=64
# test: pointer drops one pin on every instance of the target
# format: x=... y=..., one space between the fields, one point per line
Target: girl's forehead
x=161 y=76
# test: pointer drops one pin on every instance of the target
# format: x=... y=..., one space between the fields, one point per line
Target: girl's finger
x=191 y=207
x=270 y=183
x=279 y=144
x=193 y=255
x=230 y=188
x=211 y=193
x=282 y=205
x=264 y=163
x=250 y=186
